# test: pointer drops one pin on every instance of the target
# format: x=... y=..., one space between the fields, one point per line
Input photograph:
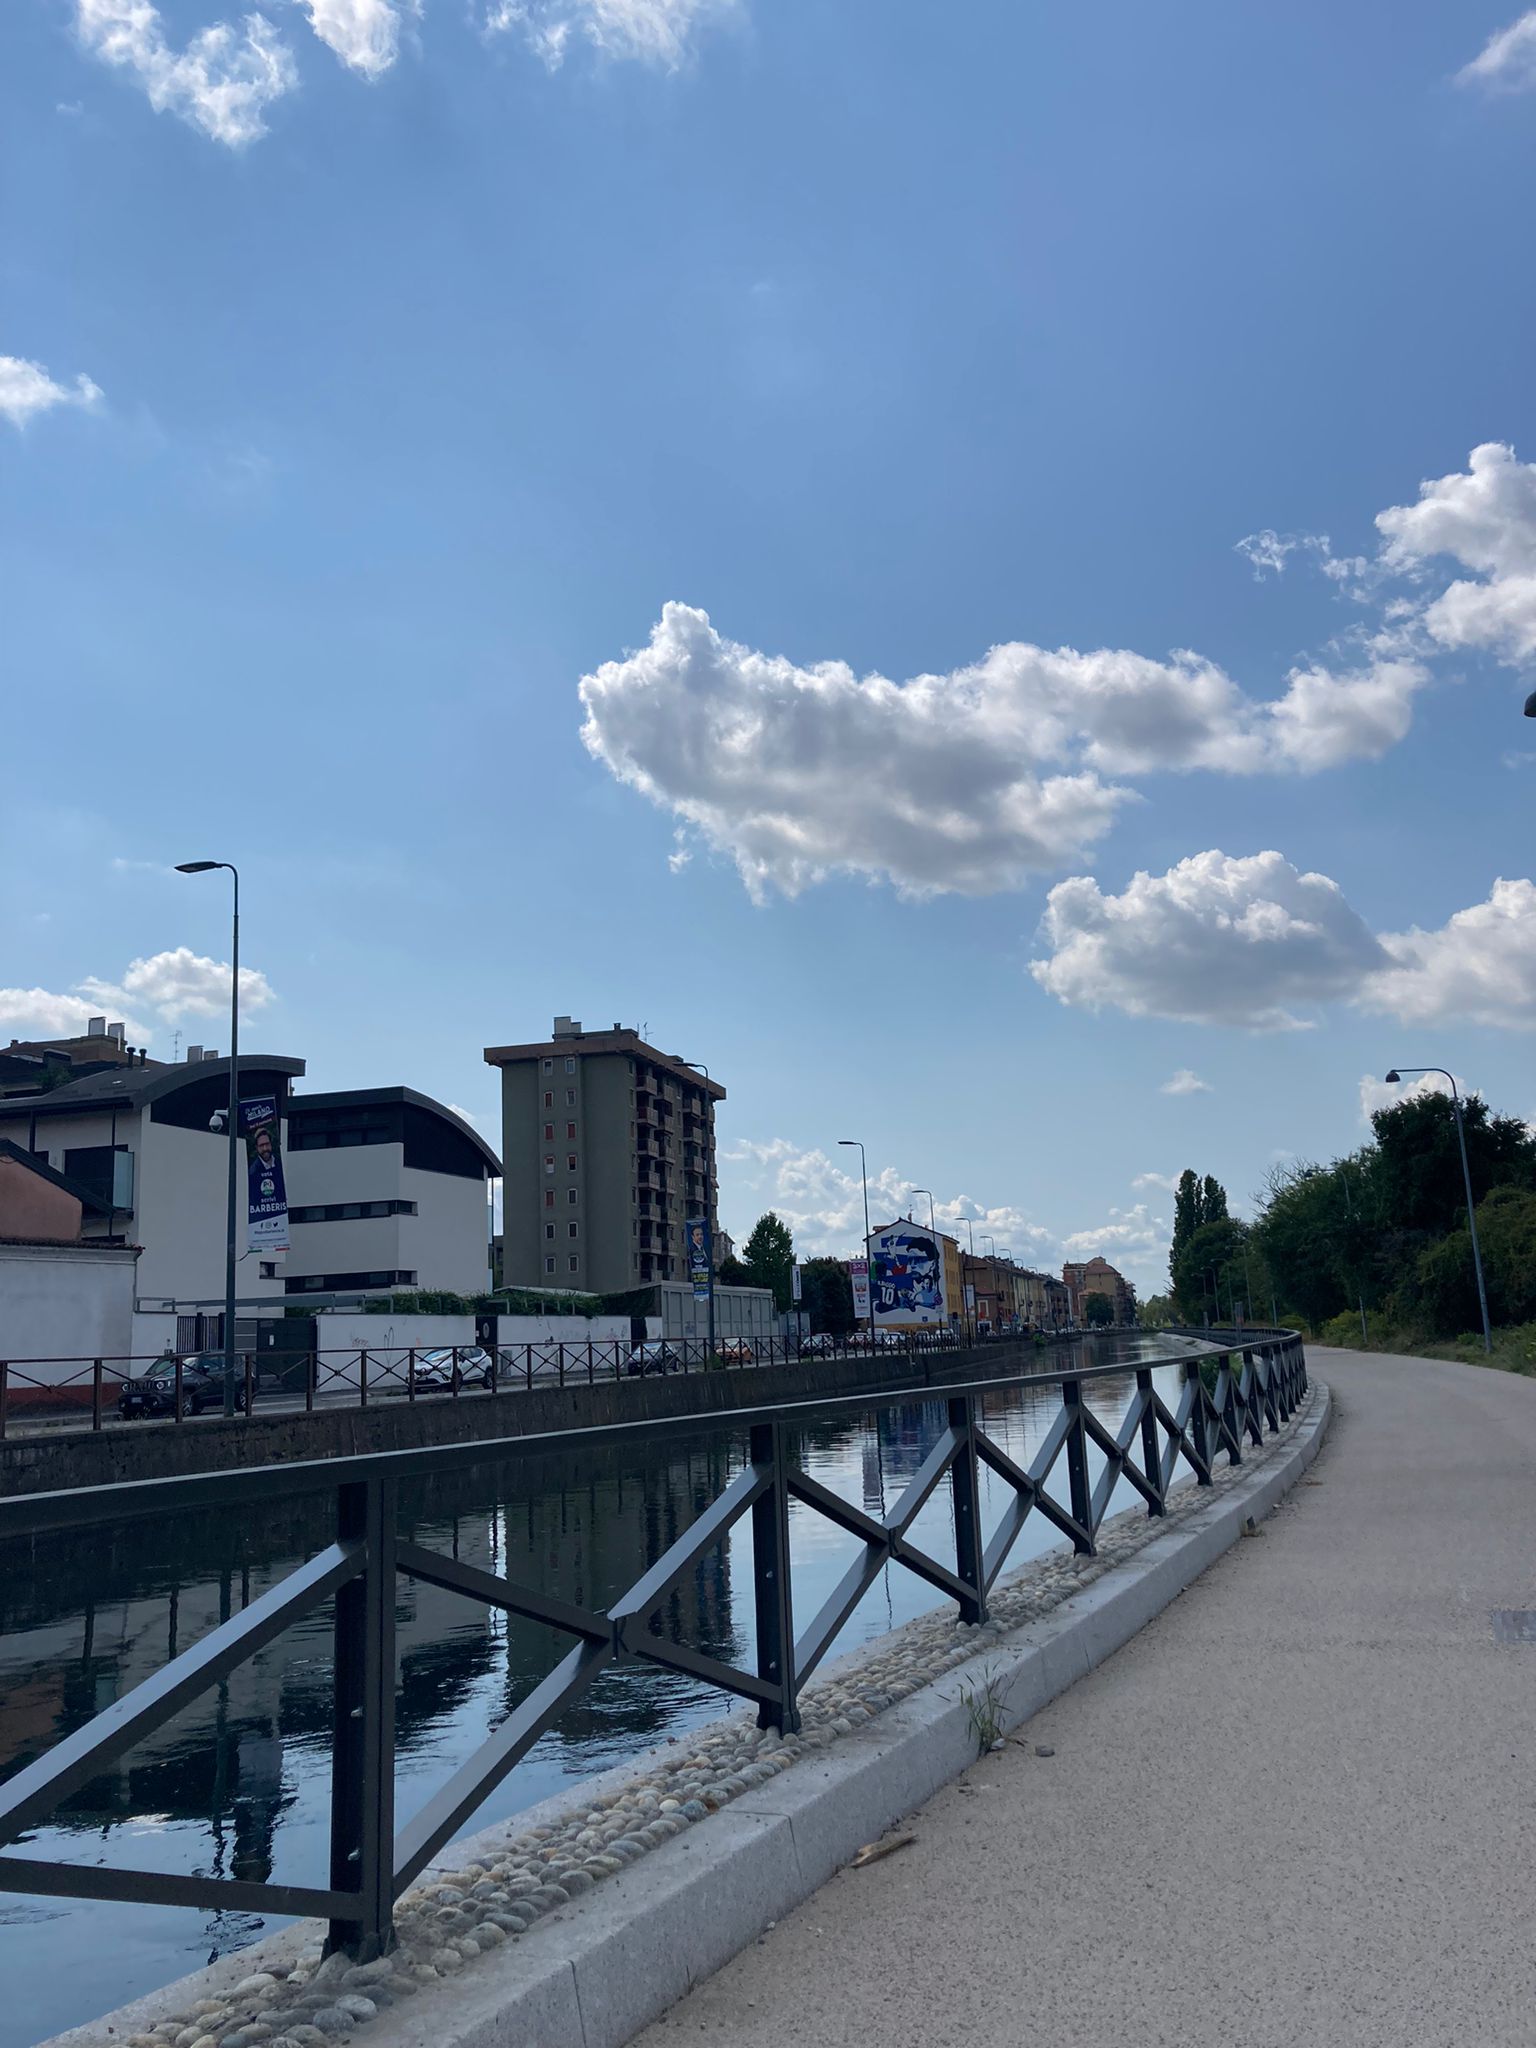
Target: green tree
x=1156 y=1312
x=769 y=1256
x=1208 y=1276
x=732 y=1273
x=826 y=1294
x=1213 y=1200
x=1098 y=1311
x=1447 y=1284
x=1417 y=1167
x=1196 y=1202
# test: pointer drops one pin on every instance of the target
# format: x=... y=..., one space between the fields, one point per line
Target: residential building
x=1098 y=1276
x=60 y=1297
x=608 y=1150
x=29 y=1065
x=386 y=1189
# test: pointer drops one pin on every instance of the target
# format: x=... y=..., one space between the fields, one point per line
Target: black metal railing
x=1226 y=1399
x=92 y=1391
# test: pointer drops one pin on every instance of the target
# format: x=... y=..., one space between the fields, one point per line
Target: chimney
x=210 y=1052
x=194 y=1054
x=96 y=1028
x=117 y=1033
x=567 y=1027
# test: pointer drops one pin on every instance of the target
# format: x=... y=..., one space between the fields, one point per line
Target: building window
x=570 y=1196
x=575 y=1264
x=549 y=1066
x=549 y=1134
x=570 y=1098
x=549 y=1230
x=570 y=1162
x=549 y=1098
x=570 y=1063
x=549 y=1265
x=570 y=1130
x=549 y=1162
x=549 y=1198
x=572 y=1228
x=268 y=1269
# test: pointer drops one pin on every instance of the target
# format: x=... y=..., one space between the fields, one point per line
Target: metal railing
x=91 y=1391
x=1225 y=1400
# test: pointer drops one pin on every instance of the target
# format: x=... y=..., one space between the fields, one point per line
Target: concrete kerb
x=594 y=1973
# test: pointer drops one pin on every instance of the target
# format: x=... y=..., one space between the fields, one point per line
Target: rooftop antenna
x=175 y=1045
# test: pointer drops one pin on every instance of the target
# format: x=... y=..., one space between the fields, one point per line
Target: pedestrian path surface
x=1298 y=1808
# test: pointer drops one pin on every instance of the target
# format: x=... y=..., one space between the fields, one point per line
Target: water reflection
x=238 y=1784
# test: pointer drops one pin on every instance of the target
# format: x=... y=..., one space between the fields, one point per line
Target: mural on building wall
x=906 y=1278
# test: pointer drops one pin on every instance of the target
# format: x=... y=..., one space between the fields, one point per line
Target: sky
x=972 y=569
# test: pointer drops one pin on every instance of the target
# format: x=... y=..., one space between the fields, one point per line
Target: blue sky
x=429 y=352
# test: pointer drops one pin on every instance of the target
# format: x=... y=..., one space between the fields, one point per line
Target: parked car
x=444 y=1372
x=654 y=1357
x=819 y=1345
x=737 y=1351
x=202 y=1387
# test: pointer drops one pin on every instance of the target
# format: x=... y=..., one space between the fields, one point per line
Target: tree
x=1196 y=1202
x=1156 y=1312
x=1098 y=1311
x=769 y=1256
x=826 y=1294
x=1417 y=1165
x=732 y=1273
x=1213 y=1201
x=1208 y=1276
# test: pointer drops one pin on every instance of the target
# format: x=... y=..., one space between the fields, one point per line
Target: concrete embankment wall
x=156 y=1450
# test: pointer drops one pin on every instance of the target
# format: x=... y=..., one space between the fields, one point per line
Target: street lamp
x=869 y=1278
x=1395 y=1076
x=1530 y=705
x=203 y=867
x=932 y=1221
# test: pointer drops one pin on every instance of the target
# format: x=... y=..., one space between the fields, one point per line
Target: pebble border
x=454 y=1916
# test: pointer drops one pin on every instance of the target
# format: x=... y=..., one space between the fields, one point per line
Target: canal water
x=238 y=1785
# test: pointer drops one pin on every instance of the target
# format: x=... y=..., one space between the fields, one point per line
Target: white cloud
x=1485 y=519
x=1507 y=61
x=1267 y=551
x=221 y=83
x=1166 y=1181
x=659 y=32
x=26 y=389
x=1214 y=940
x=365 y=34
x=1478 y=968
x=1185 y=1082
x=1248 y=942
x=170 y=985
x=1381 y=1094
x=969 y=781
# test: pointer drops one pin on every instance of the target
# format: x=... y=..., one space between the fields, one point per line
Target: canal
x=238 y=1785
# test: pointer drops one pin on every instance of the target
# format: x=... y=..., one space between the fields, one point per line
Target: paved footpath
x=1299 y=1808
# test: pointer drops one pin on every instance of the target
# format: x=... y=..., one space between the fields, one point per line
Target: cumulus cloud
x=1214 y=940
x=1507 y=61
x=1484 y=518
x=170 y=985
x=221 y=83
x=26 y=389
x=365 y=34
x=659 y=32
x=1185 y=1082
x=1249 y=941
x=822 y=1202
x=1376 y=1093
x=969 y=781
x=1168 y=1182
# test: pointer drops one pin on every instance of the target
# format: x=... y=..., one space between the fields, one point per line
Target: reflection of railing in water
x=1225 y=1398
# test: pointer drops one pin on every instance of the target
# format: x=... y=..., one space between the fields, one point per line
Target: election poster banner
x=858 y=1273
x=266 y=1214
x=699 y=1256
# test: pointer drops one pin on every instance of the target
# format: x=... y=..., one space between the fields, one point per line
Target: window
x=570 y=1098
x=549 y=1230
x=549 y=1265
x=549 y=1162
x=549 y=1066
x=268 y=1269
x=575 y=1264
x=549 y=1198
x=570 y=1063
x=549 y=1098
x=570 y=1196
x=549 y=1133
x=570 y=1130
x=572 y=1228
x=570 y=1162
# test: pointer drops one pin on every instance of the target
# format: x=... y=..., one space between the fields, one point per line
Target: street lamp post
x=203 y=867
x=869 y=1277
x=932 y=1221
x=1530 y=705
x=1396 y=1075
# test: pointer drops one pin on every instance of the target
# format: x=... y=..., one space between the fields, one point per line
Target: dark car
x=202 y=1387
x=653 y=1357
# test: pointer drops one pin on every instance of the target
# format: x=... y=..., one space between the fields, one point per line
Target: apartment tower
x=608 y=1148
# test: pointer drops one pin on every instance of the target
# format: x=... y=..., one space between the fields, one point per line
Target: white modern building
x=386 y=1188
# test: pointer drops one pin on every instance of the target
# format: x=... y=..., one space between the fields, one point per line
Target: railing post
x=311 y=1379
x=1151 y=1449
x=1077 y=1467
x=181 y=1413
x=770 y=1573
x=362 y=1379
x=1200 y=1434
x=965 y=1485
x=560 y=1362
x=363 y=1771
x=1253 y=1418
x=250 y=1386
x=96 y=1393
x=410 y=1377
x=4 y=1376
x=591 y=1375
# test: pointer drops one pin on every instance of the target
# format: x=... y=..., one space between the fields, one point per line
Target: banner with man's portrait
x=266 y=1214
